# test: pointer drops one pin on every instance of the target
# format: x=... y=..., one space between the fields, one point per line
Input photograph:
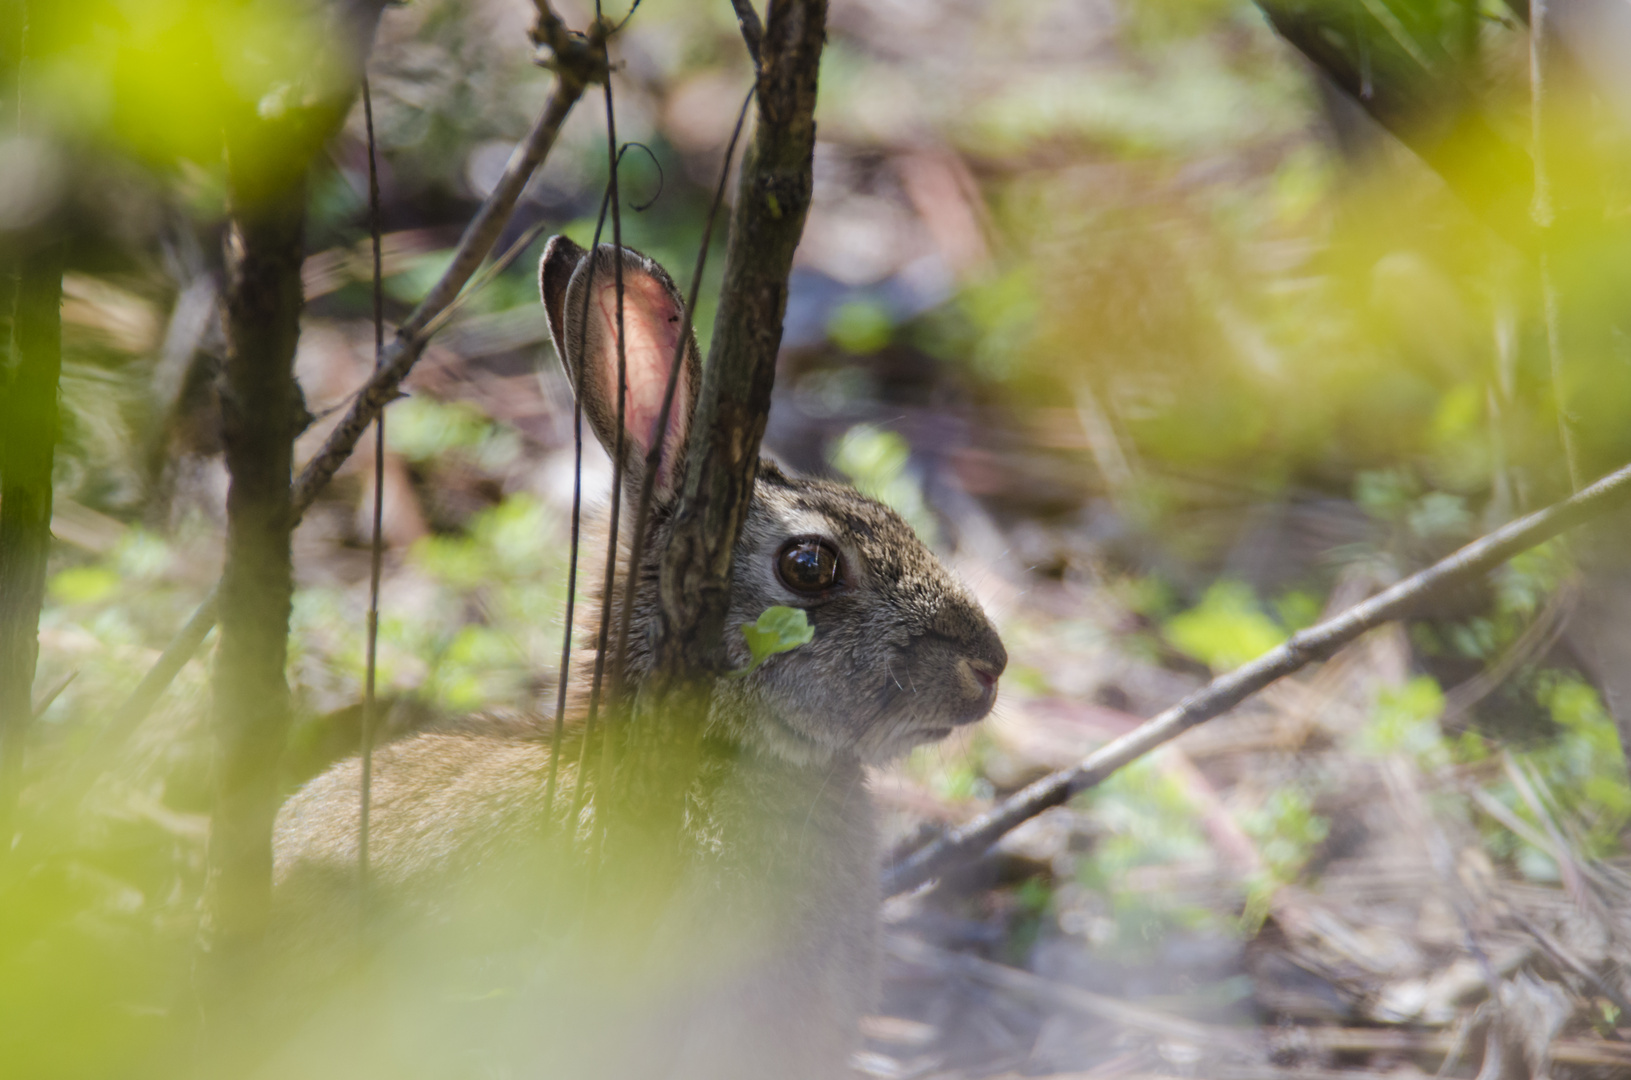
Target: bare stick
x=1573 y=1051
x=163 y=672
x=578 y=788
x=577 y=522
x=619 y=440
x=753 y=31
x=474 y=246
x=376 y=555
x=1224 y=693
x=577 y=63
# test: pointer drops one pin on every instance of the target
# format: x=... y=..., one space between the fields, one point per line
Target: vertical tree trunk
x=29 y=425
x=261 y=410
x=722 y=457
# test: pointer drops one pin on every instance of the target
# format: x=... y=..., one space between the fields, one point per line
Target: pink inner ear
x=651 y=321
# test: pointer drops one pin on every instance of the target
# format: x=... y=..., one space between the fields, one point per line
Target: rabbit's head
x=902 y=653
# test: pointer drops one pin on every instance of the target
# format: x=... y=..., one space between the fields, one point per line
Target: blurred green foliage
x=166 y=79
x=877 y=462
x=1226 y=629
x=1148 y=820
x=1287 y=832
x=1405 y=721
x=479 y=627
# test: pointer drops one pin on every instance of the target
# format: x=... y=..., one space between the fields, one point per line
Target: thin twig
x=411 y=338
x=577 y=65
x=159 y=677
x=753 y=31
x=619 y=442
x=1575 y=1051
x=578 y=377
x=52 y=692
x=370 y=704
x=1224 y=693
x=576 y=373
x=488 y=274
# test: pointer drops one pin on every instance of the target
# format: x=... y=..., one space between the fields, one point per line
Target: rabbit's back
x=757 y=962
x=441 y=803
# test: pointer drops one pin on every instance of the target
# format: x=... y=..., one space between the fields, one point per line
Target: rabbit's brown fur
x=763 y=957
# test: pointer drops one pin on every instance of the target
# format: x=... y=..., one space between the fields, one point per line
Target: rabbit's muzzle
x=963 y=669
x=975 y=684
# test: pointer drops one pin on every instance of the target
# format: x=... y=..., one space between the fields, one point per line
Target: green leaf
x=779 y=630
x=1226 y=629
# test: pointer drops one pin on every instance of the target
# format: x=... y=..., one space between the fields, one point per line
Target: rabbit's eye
x=808 y=565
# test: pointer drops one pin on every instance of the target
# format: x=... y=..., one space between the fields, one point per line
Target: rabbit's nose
x=986 y=655
x=985 y=673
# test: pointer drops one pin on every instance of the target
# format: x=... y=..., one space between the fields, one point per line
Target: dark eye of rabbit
x=808 y=565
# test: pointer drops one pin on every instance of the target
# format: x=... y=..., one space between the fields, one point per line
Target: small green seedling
x=779 y=630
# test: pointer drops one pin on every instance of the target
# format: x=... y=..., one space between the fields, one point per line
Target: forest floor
x=1273 y=895
x=1349 y=875
x=1357 y=873
x=1341 y=877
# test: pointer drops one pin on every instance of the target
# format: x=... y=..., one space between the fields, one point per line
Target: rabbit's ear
x=652 y=318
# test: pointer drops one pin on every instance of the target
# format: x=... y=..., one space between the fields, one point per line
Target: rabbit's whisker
x=889 y=670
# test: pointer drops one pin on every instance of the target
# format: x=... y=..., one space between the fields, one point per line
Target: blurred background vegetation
x=1173 y=324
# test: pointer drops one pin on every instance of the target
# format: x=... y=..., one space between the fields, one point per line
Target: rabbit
x=761 y=961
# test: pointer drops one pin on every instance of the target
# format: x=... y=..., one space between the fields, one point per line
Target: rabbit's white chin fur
x=760 y=716
x=777 y=737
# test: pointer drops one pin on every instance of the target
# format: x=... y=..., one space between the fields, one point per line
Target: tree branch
x=577 y=63
x=1227 y=691
x=474 y=246
x=722 y=454
x=260 y=416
